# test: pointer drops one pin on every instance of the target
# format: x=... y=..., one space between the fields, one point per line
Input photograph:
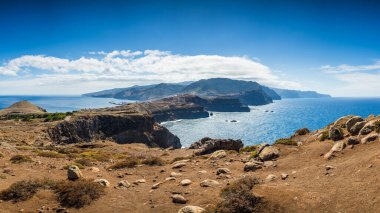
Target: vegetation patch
x=238 y=197
x=127 y=163
x=47 y=117
x=96 y=155
x=181 y=158
x=84 y=162
x=286 y=141
x=25 y=189
x=302 y=131
x=76 y=194
x=20 y=159
x=324 y=136
x=248 y=149
x=50 y=154
x=153 y=161
x=24 y=148
x=253 y=154
x=376 y=125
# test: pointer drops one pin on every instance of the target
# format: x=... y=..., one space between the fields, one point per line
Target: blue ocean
x=263 y=124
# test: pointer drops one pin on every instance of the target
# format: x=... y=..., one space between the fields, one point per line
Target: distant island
x=248 y=92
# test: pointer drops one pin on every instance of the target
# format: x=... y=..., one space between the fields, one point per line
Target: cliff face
x=123 y=129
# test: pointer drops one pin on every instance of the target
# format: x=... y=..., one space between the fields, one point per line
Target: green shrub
x=376 y=124
x=324 y=136
x=286 y=141
x=20 y=159
x=253 y=154
x=76 y=194
x=238 y=197
x=84 y=162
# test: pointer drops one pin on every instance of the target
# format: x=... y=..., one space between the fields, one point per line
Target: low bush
x=127 y=163
x=50 y=154
x=238 y=197
x=376 y=125
x=96 y=155
x=324 y=136
x=302 y=131
x=25 y=189
x=84 y=162
x=20 y=159
x=253 y=154
x=76 y=194
x=153 y=161
x=248 y=149
x=286 y=141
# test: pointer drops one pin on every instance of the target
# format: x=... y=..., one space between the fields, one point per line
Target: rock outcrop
x=123 y=129
x=209 y=145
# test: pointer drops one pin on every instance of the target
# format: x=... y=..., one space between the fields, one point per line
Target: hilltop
x=22 y=107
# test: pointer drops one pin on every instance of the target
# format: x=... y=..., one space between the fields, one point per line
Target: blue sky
x=68 y=47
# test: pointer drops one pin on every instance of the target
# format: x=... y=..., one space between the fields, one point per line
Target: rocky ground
x=334 y=169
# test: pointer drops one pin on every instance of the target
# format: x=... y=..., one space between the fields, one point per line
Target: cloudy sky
x=74 y=47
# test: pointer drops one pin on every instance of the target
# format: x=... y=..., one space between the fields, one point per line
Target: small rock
x=269 y=153
x=252 y=166
x=102 y=182
x=218 y=155
x=179 y=199
x=155 y=186
x=284 y=176
x=175 y=174
x=369 y=138
x=94 y=169
x=192 y=209
x=170 y=178
x=178 y=165
x=222 y=171
x=74 y=173
x=352 y=141
x=202 y=172
x=328 y=167
x=209 y=183
x=270 y=178
x=137 y=182
x=186 y=182
x=123 y=184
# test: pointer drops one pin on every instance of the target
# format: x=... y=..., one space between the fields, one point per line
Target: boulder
x=222 y=171
x=370 y=138
x=260 y=147
x=355 y=129
x=179 y=199
x=352 y=141
x=302 y=131
x=218 y=155
x=185 y=182
x=102 y=182
x=352 y=121
x=341 y=122
x=335 y=133
x=209 y=145
x=74 y=173
x=209 y=183
x=252 y=166
x=192 y=209
x=368 y=128
x=338 y=147
x=269 y=153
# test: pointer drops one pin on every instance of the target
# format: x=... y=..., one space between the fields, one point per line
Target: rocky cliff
x=116 y=124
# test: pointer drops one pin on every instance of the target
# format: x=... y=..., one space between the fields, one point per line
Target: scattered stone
x=102 y=182
x=155 y=186
x=209 y=183
x=74 y=173
x=179 y=199
x=137 y=182
x=335 y=133
x=352 y=141
x=252 y=166
x=328 y=167
x=269 y=164
x=269 y=153
x=186 y=182
x=175 y=174
x=178 y=165
x=124 y=184
x=202 y=172
x=370 y=138
x=192 y=209
x=222 y=171
x=284 y=176
x=218 y=155
x=170 y=178
x=338 y=146
x=370 y=166
x=270 y=178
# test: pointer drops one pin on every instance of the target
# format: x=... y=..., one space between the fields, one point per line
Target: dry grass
x=286 y=141
x=248 y=149
x=127 y=163
x=153 y=161
x=182 y=158
x=96 y=155
x=238 y=197
x=84 y=162
x=76 y=194
x=51 y=154
x=25 y=189
x=17 y=159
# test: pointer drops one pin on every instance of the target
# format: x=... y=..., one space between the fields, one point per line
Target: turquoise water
x=59 y=103
x=259 y=125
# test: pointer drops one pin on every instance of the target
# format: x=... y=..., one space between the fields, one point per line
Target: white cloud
x=101 y=70
x=356 y=81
